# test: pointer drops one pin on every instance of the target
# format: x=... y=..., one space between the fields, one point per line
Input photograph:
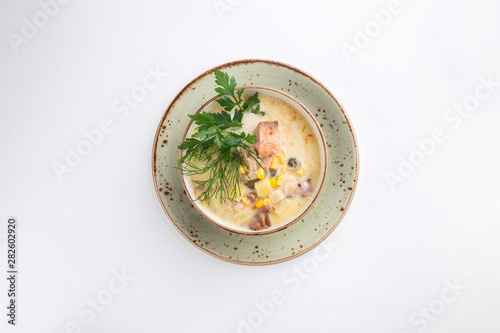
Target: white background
x=398 y=251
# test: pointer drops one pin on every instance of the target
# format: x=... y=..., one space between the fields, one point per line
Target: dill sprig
x=214 y=149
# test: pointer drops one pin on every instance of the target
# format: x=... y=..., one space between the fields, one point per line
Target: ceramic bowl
x=316 y=228
x=320 y=139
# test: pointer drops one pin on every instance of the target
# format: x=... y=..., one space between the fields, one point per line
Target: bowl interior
x=300 y=108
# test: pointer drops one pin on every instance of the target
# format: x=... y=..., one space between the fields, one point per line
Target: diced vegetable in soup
x=280 y=183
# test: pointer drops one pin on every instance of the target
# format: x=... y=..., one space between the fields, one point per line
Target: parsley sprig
x=215 y=148
x=229 y=99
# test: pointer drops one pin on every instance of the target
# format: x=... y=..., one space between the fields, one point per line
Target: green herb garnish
x=216 y=150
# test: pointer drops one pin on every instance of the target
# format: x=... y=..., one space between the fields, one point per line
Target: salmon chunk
x=267 y=138
x=252 y=165
x=266 y=162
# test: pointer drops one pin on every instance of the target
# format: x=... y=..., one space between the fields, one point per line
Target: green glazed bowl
x=331 y=203
x=315 y=127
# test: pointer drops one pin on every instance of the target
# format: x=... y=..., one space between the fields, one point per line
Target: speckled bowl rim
x=323 y=174
x=298 y=71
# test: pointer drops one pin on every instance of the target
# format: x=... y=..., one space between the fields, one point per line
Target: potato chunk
x=276 y=196
x=263 y=187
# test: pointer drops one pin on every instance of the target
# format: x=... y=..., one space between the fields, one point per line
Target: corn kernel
x=280 y=180
x=243 y=169
x=259 y=203
x=246 y=201
x=260 y=173
x=281 y=159
x=273 y=182
x=283 y=169
x=267 y=201
x=283 y=151
x=274 y=163
x=301 y=171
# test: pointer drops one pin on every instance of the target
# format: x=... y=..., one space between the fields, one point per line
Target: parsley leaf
x=214 y=150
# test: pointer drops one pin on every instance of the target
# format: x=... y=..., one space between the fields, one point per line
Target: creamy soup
x=273 y=193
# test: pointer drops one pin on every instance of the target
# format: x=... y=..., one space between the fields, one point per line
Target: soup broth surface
x=293 y=178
